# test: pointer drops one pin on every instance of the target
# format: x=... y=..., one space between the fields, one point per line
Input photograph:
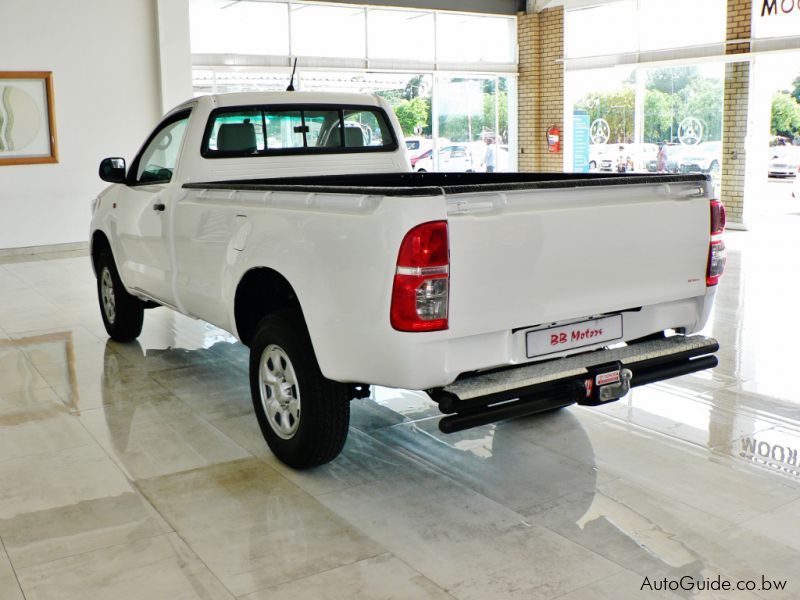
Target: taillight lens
x=421 y=290
x=717 y=217
x=717 y=256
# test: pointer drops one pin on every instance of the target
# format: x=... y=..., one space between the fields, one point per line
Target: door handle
x=159 y=206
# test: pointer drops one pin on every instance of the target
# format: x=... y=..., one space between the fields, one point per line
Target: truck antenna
x=290 y=87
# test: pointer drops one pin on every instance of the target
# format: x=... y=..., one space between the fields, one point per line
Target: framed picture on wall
x=27 y=118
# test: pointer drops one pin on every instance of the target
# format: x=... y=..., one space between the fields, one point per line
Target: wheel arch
x=261 y=291
x=97 y=244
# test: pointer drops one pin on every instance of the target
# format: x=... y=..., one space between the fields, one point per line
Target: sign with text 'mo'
x=768 y=8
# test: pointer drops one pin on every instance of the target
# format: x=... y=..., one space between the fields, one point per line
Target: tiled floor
x=138 y=471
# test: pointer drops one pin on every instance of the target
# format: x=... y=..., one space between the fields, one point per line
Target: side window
x=237 y=132
x=158 y=160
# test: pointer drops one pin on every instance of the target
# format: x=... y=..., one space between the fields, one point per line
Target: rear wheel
x=303 y=416
x=123 y=314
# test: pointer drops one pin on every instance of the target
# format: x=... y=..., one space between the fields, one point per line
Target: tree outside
x=470 y=108
x=671 y=95
x=785 y=121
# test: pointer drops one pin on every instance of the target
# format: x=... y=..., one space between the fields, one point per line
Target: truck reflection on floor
x=543 y=485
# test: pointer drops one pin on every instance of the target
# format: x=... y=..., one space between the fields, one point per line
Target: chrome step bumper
x=484 y=397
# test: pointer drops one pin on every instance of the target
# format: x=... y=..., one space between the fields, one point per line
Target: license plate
x=574 y=335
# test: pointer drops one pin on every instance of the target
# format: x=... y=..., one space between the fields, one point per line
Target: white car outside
x=453 y=158
x=784 y=161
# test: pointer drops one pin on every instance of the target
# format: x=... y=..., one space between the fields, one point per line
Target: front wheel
x=123 y=314
x=303 y=416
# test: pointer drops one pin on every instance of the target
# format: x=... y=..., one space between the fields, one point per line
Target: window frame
x=169 y=120
x=206 y=152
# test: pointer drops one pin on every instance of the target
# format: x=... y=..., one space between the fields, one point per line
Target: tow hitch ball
x=604 y=384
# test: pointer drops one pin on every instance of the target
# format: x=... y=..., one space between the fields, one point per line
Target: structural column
x=540 y=39
x=734 y=116
x=174 y=52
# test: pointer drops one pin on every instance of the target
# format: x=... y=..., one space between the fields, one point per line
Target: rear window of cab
x=290 y=129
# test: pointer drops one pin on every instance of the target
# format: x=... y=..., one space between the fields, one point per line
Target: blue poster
x=580 y=141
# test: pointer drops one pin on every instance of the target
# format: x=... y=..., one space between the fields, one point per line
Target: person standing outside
x=661 y=159
x=490 y=160
x=622 y=164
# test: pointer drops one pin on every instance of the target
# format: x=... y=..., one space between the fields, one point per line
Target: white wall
x=105 y=62
x=175 y=53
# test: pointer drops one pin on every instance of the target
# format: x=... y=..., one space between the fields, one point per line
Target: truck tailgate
x=523 y=258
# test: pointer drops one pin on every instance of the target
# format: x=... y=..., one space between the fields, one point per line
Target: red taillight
x=717 y=217
x=717 y=256
x=422 y=280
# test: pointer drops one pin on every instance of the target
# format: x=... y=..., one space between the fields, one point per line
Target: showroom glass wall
x=650 y=89
x=450 y=88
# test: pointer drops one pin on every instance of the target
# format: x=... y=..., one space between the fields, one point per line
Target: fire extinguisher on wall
x=553 y=139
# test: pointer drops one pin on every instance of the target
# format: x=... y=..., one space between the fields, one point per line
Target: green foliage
x=412 y=105
x=785 y=115
x=796 y=89
x=616 y=108
x=658 y=116
x=702 y=99
x=671 y=95
x=671 y=80
x=413 y=113
x=488 y=114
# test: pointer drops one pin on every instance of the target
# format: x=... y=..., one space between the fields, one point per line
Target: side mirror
x=112 y=170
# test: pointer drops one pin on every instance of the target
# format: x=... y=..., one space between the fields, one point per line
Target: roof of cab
x=251 y=98
x=266 y=98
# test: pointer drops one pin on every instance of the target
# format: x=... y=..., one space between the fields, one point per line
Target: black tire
x=299 y=438
x=123 y=314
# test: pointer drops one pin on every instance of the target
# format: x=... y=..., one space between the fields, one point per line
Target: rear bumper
x=487 y=397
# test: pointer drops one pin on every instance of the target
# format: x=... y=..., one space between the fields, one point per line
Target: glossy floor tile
x=138 y=470
x=9 y=586
x=159 y=567
x=65 y=502
x=252 y=527
x=384 y=576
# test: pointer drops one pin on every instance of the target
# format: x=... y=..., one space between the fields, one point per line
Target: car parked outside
x=597 y=152
x=705 y=157
x=417 y=145
x=675 y=155
x=639 y=155
x=454 y=158
x=784 y=161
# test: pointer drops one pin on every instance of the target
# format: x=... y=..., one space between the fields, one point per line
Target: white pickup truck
x=292 y=220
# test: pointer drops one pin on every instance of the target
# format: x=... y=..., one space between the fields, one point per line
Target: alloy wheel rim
x=280 y=393
x=107 y=293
